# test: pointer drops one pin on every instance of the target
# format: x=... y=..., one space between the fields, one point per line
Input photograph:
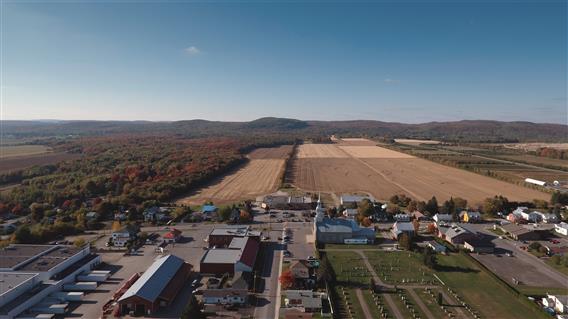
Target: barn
x=157 y=287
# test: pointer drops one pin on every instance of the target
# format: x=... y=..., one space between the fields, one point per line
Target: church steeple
x=320 y=211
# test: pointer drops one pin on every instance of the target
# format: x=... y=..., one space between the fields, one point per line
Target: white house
x=526 y=214
x=561 y=228
x=225 y=296
x=445 y=218
x=402 y=217
x=121 y=237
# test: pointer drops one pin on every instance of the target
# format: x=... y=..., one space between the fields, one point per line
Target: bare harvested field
x=536 y=160
x=384 y=173
x=356 y=142
x=257 y=177
x=17 y=163
x=271 y=152
x=320 y=151
x=22 y=150
x=373 y=152
x=415 y=142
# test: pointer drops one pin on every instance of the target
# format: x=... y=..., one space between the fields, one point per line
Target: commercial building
x=455 y=234
x=157 y=287
x=520 y=233
x=225 y=296
x=338 y=230
x=223 y=236
x=304 y=300
x=31 y=274
x=479 y=245
x=239 y=256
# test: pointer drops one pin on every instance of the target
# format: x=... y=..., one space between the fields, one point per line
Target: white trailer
x=94 y=276
x=58 y=309
x=81 y=286
x=68 y=295
x=535 y=182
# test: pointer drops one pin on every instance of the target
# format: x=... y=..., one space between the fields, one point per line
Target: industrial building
x=34 y=277
x=239 y=256
x=157 y=287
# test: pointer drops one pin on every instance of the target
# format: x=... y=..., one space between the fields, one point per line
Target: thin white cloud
x=192 y=50
x=391 y=81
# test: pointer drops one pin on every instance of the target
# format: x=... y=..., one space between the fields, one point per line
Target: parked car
x=287 y=253
x=312 y=258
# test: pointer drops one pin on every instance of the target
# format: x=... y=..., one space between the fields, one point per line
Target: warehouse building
x=239 y=256
x=30 y=274
x=157 y=287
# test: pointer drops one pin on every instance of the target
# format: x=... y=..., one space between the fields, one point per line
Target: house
x=173 y=236
x=155 y=214
x=304 y=300
x=338 y=230
x=120 y=216
x=157 y=287
x=225 y=296
x=470 y=217
x=443 y=218
x=557 y=302
x=419 y=216
x=400 y=228
x=120 y=237
x=547 y=218
x=303 y=273
x=437 y=247
x=528 y=215
x=479 y=245
x=520 y=233
x=352 y=200
x=515 y=217
x=561 y=228
x=350 y=213
x=402 y=217
x=454 y=234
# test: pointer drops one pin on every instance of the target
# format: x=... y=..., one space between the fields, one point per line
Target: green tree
x=225 y=213
x=365 y=208
x=429 y=258
x=432 y=206
x=193 y=309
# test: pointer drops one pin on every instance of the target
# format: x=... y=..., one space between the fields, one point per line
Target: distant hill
x=467 y=131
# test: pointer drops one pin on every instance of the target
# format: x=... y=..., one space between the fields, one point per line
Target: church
x=338 y=230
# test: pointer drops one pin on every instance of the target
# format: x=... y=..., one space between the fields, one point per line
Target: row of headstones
x=408 y=304
x=345 y=296
x=379 y=303
x=464 y=304
x=446 y=310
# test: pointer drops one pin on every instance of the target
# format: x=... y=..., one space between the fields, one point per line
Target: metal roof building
x=157 y=287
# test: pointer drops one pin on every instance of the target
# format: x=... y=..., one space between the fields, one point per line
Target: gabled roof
x=152 y=282
x=174 y=233
x=209 y=208
x=248 y=256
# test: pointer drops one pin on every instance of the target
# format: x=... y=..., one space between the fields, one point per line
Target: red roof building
x=172 y=236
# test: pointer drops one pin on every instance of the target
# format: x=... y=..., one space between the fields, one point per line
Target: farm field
x=536 y=160
x=16 y=163
x=22 y=150
x=382 y=172
x=356 y=142
x=415 y=142
x=535 y=146
x=271 y=152
x=257 y=177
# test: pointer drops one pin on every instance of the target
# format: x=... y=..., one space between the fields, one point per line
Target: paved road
x=268 y=301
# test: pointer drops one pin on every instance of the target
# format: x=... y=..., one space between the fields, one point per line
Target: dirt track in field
x=257 y=177
x=383 y=173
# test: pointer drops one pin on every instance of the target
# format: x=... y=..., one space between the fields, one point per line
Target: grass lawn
x=541 y=291
x=394 y=267
x=368 y=296
x=432 y=303
x=349 y=247
x=401 y=307
x=561 y=268
x=483 y=292
x=349 y=268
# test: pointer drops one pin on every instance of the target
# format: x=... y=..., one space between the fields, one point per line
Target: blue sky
x=413 y=61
